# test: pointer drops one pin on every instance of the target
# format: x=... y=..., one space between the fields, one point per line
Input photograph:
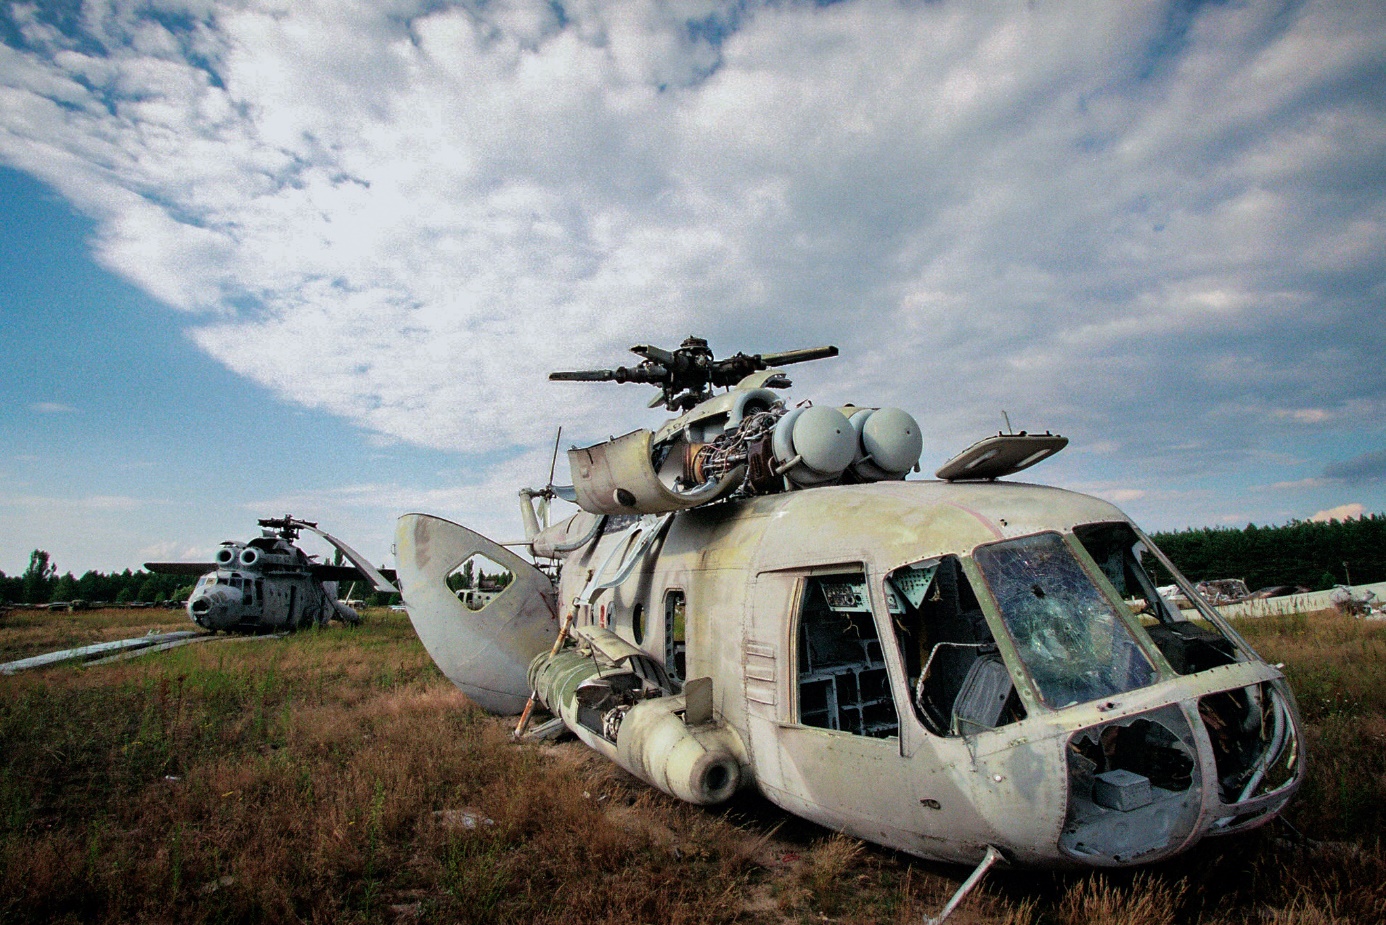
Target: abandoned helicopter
x=270 y=584
x=966 y=669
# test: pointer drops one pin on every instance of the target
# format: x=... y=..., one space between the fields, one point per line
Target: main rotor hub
x=686 y=376
x=286 y=527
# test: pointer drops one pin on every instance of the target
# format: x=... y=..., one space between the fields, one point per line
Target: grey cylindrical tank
x=889 y=442
x=821 y=439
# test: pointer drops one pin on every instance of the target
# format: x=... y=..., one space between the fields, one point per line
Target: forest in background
x=1315 y=555
x=41 y=584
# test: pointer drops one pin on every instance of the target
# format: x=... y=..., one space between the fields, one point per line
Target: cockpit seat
x=982 y=697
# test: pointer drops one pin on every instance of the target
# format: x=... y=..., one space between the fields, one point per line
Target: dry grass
x=33 y=632
x=336 y=776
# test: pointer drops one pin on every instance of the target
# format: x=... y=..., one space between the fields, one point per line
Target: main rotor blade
x=646 y=372
x=346 y=573
x=371 y=573
x=583 y=375
x=798 y=356
x=180 y=568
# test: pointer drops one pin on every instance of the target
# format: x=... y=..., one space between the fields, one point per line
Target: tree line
x=41 y=584
x=1314 y=555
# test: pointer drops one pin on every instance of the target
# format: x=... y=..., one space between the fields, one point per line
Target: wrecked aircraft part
x=619 y=701
x=617 y=477
x=1074 y=641
x=687 y=375
x=1223 y=590
x=1254 y=742
x=485 y=652
x=1002 y=455
x=1132 y=791
x=740 y=444
x=568 y=536
x=952 y=669
x=1188 y=647
x=842 y=674
x=958 y=679
x=96 y=650
x=988 y=860
x=747 y=445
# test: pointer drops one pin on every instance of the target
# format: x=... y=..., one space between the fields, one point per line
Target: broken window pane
x=675 y=646
x=843 y=683
x=1070 y=637
x=958 y=680
x=1189 y=647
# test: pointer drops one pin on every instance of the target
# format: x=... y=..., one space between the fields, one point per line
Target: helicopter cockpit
x=1079 y=635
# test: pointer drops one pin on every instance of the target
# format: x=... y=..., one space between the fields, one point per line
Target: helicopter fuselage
x=269 y=583
x=246 y=601
x=935 y=667
x=264 y=586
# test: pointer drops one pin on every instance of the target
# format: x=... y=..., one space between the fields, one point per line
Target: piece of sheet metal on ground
x=165 y=646
x=84 y=653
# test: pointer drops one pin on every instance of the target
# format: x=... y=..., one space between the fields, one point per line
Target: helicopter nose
x=212 y=609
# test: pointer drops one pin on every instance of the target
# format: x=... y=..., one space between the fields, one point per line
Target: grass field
x=334 y=775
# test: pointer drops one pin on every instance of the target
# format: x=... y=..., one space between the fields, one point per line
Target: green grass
x=334 y=775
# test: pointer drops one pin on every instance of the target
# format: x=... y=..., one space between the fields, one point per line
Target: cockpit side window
x=1074 y=642
x=843 y=683
x=958 y=681
x=1188 y=646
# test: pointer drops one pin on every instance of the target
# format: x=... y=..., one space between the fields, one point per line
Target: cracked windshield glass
x=1070 y=637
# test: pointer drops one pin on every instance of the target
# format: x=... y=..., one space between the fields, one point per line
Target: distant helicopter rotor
x=287 y=527
x=687 y=375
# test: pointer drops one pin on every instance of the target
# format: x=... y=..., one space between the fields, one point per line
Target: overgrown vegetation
x=40 y=583
x=1315 y=555
x=334 y=775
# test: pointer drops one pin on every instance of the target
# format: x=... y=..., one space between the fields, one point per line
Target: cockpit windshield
x=1074 y=643
x=1188 y=646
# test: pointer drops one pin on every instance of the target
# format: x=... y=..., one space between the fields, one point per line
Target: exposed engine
x=781 y=448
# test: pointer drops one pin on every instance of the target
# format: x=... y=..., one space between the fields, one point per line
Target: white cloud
x=173 y=551
x=1341 y=512
x=1148 y=231
x=1311 y=482
x=1305 y=415
x=52 y=407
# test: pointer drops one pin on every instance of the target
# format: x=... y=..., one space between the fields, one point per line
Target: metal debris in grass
x=462 y=818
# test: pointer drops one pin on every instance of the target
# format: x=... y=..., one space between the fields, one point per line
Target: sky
x=317 y=257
